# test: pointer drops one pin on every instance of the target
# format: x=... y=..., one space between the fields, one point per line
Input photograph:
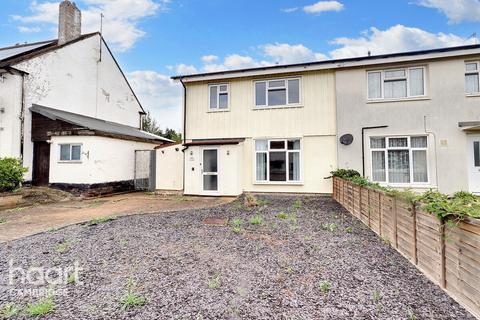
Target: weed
x=256 y=220
x=250 y=200
x=385 y=240
x=41 y=307
x=100 y=220
x=150 y=193
x=289 y=270
x=62 y=247
x=325 y=286
x=330 y=226
x=297 y=204
x=262 y=202
x=3 y=220
x=308 y=238
x=411 y=315
x=376 y=296
x=52 y=229
x=237 y=225
x=132 y=299
x=242 y=292
x=72 y=278
x=9 y=310
x=348 y=229
x=282 y=215
x=215 y=282
x=124 y=242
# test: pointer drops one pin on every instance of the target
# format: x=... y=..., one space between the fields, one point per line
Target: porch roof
x=469 y=126
x=210 y=142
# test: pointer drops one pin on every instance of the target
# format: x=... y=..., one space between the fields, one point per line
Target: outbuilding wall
x=169 y=168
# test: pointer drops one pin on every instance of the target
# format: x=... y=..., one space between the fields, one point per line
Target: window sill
x=472 y=95
x=278 y=107
x=397 y=100
x=220 y=110
x=70 y=161
x=279 y=183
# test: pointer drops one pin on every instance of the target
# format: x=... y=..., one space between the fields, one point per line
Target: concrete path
x=21 y=222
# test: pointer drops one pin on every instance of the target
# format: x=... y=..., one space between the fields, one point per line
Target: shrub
x=11 y=173
x=345 y=173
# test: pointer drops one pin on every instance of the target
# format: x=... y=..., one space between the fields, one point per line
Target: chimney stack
x=69 y=22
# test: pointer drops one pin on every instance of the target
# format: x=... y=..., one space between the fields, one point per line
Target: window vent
x=2 y=110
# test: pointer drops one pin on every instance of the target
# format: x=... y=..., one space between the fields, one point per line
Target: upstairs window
x=396 y=83
x=70 y=152
x=471 y=78
x=218 y=97
x=277 y=92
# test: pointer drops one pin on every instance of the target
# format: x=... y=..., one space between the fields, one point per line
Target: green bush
x=11 y=173
x=345 y=173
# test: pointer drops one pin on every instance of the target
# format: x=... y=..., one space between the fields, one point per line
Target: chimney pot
x=69 y=22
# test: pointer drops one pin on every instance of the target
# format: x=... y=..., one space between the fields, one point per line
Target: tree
x=149 y=124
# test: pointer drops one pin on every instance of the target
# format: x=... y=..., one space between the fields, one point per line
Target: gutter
x=184 y=133
x=363 y=145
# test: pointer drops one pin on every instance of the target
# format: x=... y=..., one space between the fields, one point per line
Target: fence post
x=380 y=213
x=443 y=277
x=414 y=212
x=395 y=231
x=369 y=208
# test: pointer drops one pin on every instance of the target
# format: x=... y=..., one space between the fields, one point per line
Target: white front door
x=474 y=163
x=210 y=170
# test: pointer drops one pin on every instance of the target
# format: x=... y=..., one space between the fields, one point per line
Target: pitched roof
x=97 y=125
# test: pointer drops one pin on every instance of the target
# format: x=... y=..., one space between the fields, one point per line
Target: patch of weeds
x=52 y=229
x=62 y=247
x=308 y=238
x=150 y=193
x=250 y=200
x=72 y=278
x=100 y=220
x=289 y=270
x=41 y=307
x=294 y=227
x=348 y=229
x=376 y=296
x=297 y=204
x=282 y=215
x=330 y=226
x=215 y=282
x=256 y=220
x=132 y=299
x=123 y=242
x=3 y=220
x=242 y=292
x=9 y=310
x=385 y=240
x=237 y=225
x=263 y=202
x=325 y=286
x=411 y=315
x=17 y=209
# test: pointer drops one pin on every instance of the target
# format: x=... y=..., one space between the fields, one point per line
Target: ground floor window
x=399 y=160
x=277 y=160
x=70 y=152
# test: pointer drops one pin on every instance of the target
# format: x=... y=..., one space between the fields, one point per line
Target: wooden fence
x=447 y=253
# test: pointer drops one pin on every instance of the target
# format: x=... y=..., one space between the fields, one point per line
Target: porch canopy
x=470 y=126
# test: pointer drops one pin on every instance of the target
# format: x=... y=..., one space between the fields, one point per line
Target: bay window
x=472 y=77
x=399 y=160
x=278 y=92
x=277 y=160
x=218 y=97
x=396 y=83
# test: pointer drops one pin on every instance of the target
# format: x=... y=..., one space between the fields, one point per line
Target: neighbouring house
x=409 y=120
x=68 y=111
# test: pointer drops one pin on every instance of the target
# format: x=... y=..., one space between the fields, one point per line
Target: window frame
x=71 y=147
x=217 y=108
x=410 y=159
x=287 y=152
x=475 y=72
x=406 y=77
x=287 y=104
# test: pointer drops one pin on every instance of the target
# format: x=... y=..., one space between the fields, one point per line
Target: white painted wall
x=103 y=160
x=169 y=168
x=11 y=101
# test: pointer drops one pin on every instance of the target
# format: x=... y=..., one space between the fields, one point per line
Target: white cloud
x=160 y=95
x=284 y=53
x=24 y=29
x=323 y=6
x=185 y=69
x=209 y=58
x=395 y=39
x=289 y=10
x=120 y=22
x=455 y=10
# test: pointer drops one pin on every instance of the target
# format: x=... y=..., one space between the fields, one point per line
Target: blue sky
x=154 y=39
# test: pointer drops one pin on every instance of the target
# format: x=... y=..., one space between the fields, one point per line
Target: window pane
x=418 y=142
x=378 y=166
x=65 y=152
x=395 y=89
x=223 y=101
x=394 y=74
x=260 y=94
x=213 y=97
x=209 y=160
x=76 y=152
x=210 y=182
x=294 y=91
x=374 y=85
x=471 y=83
x=398 y=166
x=471 y=66
x=476 y=153
x=277 y=97
x=293 y=144
x=398 y=142
x=416 y=82
x=277 y=144
x=223 y=88
x=278 y=167
x=261 y=162
x=261 y=145
x=420 y=173
x=377 y=143
x=276 y=84
x=294 y=166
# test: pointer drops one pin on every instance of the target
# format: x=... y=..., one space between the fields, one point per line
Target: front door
x=41 y=163
x=474 y=163
x=210 y=170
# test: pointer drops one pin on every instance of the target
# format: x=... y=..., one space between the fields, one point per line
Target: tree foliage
x=149 y=124
x=11 y=173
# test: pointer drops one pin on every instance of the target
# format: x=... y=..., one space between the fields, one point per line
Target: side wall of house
x=436 y=116
x=169 y=168
x=102 y=160
x=10 y=113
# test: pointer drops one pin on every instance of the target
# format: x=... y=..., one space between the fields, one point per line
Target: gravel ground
x=318 y=262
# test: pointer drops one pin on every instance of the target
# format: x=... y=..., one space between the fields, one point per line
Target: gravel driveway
x=298 y=258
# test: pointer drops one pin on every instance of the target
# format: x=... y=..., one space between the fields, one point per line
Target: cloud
x=29 y=29
x=323 y=6
x=289 y=10
x=120 y=22
x=209 y=58
x=160 y=95
x=284 y=53
x=395 y=39
x=455 y=10
x=185 y=69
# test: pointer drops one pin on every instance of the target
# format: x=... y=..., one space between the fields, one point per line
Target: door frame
x=203 y=191
x=470 y=160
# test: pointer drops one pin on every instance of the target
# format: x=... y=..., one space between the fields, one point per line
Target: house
x=409 y=120
x=68 y=111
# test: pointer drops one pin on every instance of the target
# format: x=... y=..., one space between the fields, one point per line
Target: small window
x=278 y=92
x=218 y=97
x=396 y=84
x=70 y=152
x=472 y=78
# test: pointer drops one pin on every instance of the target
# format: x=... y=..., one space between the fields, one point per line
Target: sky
x=155 y=39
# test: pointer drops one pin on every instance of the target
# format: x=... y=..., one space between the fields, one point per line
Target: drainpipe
x=22 y=118
x=434 y=146
x=363 y=145
x=184 y=129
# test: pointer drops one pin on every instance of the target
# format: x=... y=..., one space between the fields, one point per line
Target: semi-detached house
x=409 y=120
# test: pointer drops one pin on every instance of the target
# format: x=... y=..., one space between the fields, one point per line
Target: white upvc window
x=277 y=92
x=472 y=77
x=399 y=160
x=277 y=160
x=401 y=83
x=218 y=97
x=70 y=152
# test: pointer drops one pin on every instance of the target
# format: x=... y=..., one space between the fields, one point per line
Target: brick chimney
x=69 y=22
